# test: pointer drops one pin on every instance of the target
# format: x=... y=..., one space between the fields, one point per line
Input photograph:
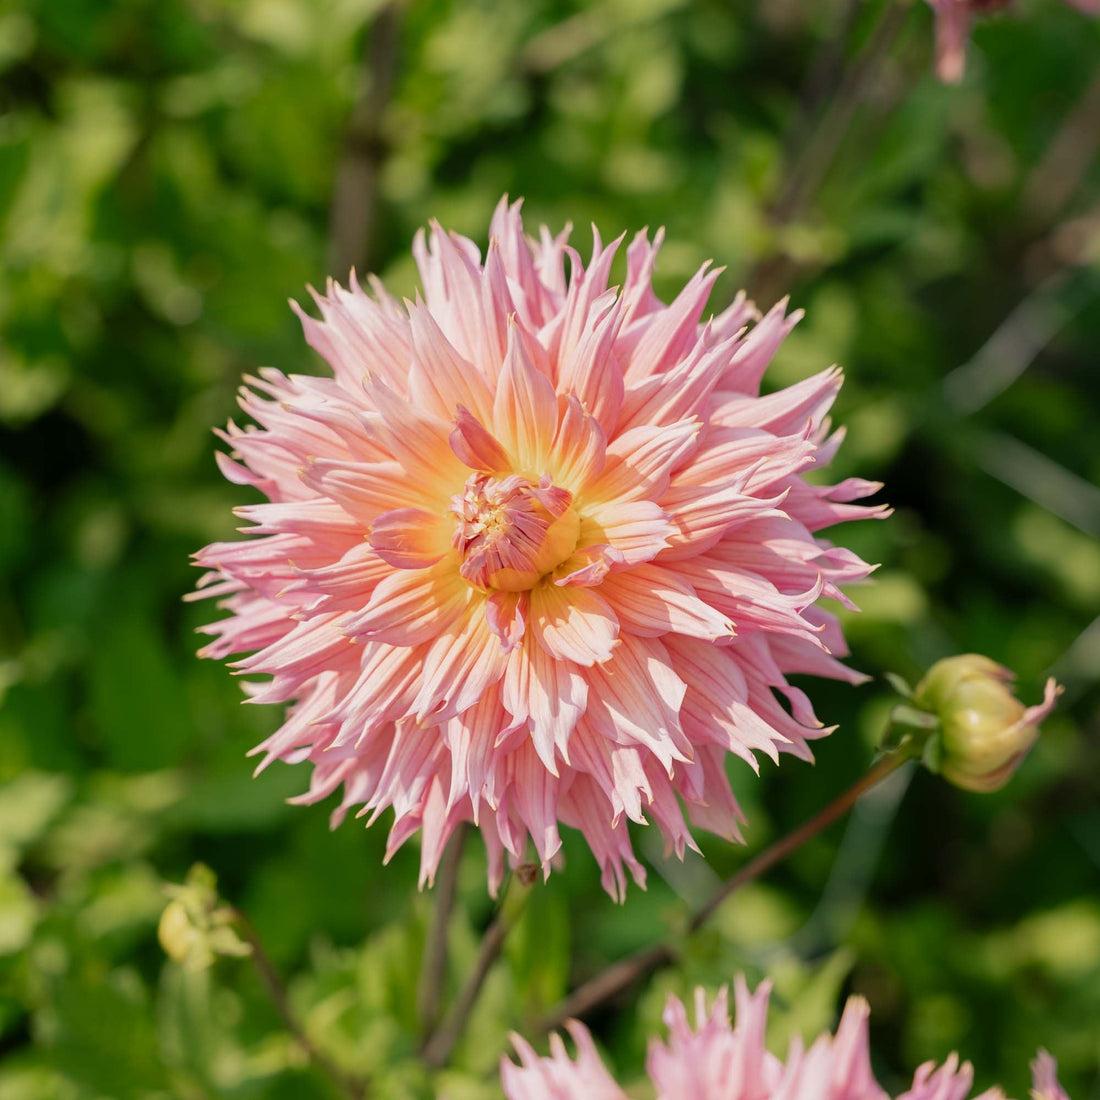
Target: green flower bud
x=985 y=731
x=195 y=928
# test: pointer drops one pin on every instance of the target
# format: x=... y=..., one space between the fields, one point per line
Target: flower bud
x=985 y=731
x=195 y=928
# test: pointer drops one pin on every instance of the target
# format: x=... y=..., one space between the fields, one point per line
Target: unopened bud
x=985 y=731
x=195 y=928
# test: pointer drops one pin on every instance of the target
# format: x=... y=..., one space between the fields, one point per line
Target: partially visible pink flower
x=1044 y=1078
x=559 y=1077
x=953 y=20
x=718 y=1061
x=538 y=553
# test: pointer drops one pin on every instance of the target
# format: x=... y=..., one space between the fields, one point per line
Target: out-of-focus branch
x=815 y=156
x=623 y=974
x=824 y=75
x=356 y=190
x=1041 y=479
x=1057 y=177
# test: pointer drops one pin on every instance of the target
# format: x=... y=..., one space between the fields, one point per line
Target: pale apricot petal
x=640 y=461
x=549 y=695
x=410 y=538
x=573 y=624
x=411 y=606
x=580 y=448
x=637 y=529
x=440 y=380
x=459 y=666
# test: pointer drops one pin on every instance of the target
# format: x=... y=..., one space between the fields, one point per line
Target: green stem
x=440 y=1044
x=434 y=967
x=623 y=974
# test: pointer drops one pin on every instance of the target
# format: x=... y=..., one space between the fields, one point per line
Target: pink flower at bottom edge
x=717 y=1060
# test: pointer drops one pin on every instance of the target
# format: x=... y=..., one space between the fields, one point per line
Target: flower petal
x=525 y=411
x=573 y=624
x=410 y=538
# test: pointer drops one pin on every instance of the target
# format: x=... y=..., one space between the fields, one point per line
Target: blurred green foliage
x=167 y=172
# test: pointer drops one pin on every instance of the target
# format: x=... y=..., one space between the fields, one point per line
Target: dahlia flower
x=953 y=19
x=538 y=553
x=717 y=1061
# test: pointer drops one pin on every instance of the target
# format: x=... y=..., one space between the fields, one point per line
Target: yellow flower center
x=512 y=531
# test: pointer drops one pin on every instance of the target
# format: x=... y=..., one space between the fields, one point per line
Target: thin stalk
x=811 y=167
x=434 y=968
x=350 y=1087
x=440 y=1044
x=623 y=974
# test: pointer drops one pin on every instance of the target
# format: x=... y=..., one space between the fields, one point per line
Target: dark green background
x=167 y=170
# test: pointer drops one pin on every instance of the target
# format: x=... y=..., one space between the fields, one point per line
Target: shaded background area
x=172 y=170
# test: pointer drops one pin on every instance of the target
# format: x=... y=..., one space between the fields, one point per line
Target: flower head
x=538 y=553
x=953 y=20
x=718 y=1061
x=984 y=730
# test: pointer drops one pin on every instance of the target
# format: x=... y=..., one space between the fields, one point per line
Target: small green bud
x=985 y=731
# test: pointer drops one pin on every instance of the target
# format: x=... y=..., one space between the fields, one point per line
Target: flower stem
x=621 y=975
x=350 y=1087
x=434 y=967
x=440 y=1044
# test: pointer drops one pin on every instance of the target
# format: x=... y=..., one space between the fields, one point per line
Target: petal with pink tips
x=650 y=600
x=591 y=370
x=636 y=696
x=411 y=606
x=525 y=410
x=441 y=380
x=640 y=461
x=506 y=617
x=459 y=666
x=588 y=567
x=580 y=448
x=547 y=694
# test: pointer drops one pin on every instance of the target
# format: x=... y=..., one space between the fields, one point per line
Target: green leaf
x=28 y=804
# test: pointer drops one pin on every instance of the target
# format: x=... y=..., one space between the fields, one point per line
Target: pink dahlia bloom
x=538 y=553
x=953 y=19
x=717 y=1061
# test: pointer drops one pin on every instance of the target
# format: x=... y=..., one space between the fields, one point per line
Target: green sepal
x=899 y=684
x=932 y=754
